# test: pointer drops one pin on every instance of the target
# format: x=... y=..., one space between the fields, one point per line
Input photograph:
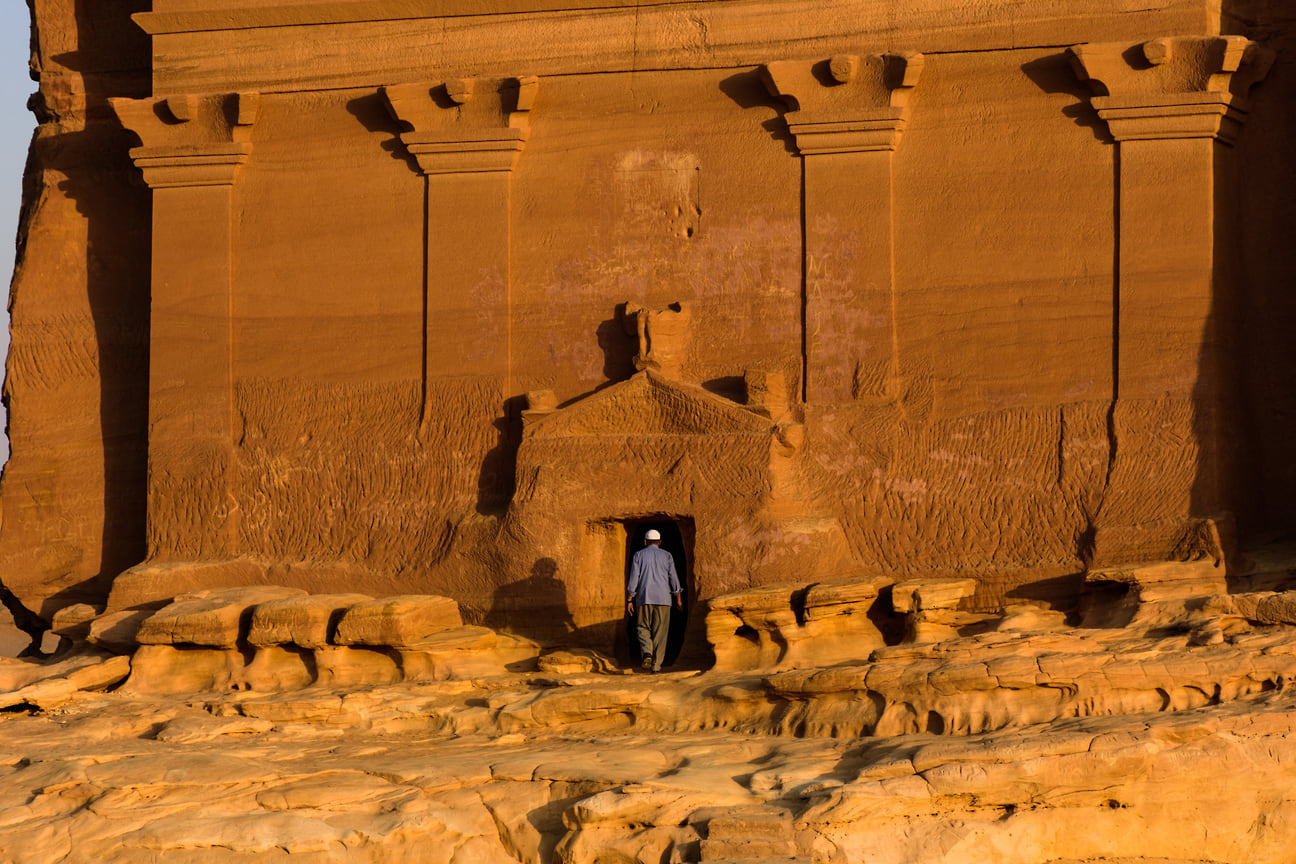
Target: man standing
x=653 y=582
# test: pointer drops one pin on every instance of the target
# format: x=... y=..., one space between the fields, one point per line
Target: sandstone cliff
x=393 y=297
x=76 y=381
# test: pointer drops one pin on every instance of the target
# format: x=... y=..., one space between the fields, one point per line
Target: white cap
x=653 y=534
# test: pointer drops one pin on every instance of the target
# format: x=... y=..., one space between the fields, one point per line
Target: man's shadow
x=535 y=607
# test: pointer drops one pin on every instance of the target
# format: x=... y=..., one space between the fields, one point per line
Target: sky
x=16 y=125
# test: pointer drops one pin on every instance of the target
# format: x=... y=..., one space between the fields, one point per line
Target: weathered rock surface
x=914 y=326
x=795 y=624
x=1154 y=594
x=117 y=631
x=74 y=490
x=262 y=334
x=1100 y=758
x=213 y=619
x=397 y=622
x=53 y=689
x=1009 y=744
x=307 y=621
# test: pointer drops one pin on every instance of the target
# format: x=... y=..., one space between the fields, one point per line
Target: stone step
x=751 y=825
x=745 y=850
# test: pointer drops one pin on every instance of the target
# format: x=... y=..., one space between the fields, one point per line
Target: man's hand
x=679 y=601
x=630 y=607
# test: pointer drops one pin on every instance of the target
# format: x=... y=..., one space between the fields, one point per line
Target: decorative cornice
x=1177 y=87
x=190 y=140
x=464 y=125
x=848 y=103
x=239 y=14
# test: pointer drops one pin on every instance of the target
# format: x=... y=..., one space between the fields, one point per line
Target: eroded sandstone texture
x=357 y=344
x=420 y=296
x=265 y=724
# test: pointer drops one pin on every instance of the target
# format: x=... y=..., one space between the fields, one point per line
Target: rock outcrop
x=467 y=315
x=1004 y=743
x=357 y=345
x=76 y=377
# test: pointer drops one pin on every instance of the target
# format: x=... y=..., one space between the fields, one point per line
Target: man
x=653 y=582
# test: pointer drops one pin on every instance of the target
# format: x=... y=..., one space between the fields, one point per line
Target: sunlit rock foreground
x=263 y=724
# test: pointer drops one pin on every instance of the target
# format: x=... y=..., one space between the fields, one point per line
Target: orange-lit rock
x=832 y=294
x=995 y=741
x=357 y=345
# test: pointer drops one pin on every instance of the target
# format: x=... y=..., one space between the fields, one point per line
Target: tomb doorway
x=677 y=535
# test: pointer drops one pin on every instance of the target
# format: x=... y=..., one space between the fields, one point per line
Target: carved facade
x=942 y=302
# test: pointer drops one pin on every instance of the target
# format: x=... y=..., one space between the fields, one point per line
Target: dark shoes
x=646 y=665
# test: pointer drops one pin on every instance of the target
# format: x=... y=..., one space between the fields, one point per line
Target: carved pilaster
x=1171 y=105
x=192 y=148
x=1180 y=87
x=847 y=114
x=467 y=136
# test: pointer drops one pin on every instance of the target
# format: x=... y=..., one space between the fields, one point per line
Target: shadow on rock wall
x=534 y=607
x=1265 y=313
x=81 y=142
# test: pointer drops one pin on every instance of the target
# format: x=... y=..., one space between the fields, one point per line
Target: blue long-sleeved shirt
x=653 y=581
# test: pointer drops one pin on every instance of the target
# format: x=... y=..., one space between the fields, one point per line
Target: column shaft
x=467 y=279
x=191 y=508
x=850 y=333
x=1167 y=279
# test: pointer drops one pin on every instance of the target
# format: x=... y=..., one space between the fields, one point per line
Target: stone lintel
x=169 y=167
x=1215 y=116
x=490 y=150
x=464 y=125
x=1174 y=87
x=853 y=136
x=847 y=103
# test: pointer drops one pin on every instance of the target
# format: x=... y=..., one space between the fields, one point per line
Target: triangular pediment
x=649 y=404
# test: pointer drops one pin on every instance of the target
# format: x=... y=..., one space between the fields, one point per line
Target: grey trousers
x=653 y=624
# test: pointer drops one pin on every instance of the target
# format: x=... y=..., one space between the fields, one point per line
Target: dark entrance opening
x=677 y=539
